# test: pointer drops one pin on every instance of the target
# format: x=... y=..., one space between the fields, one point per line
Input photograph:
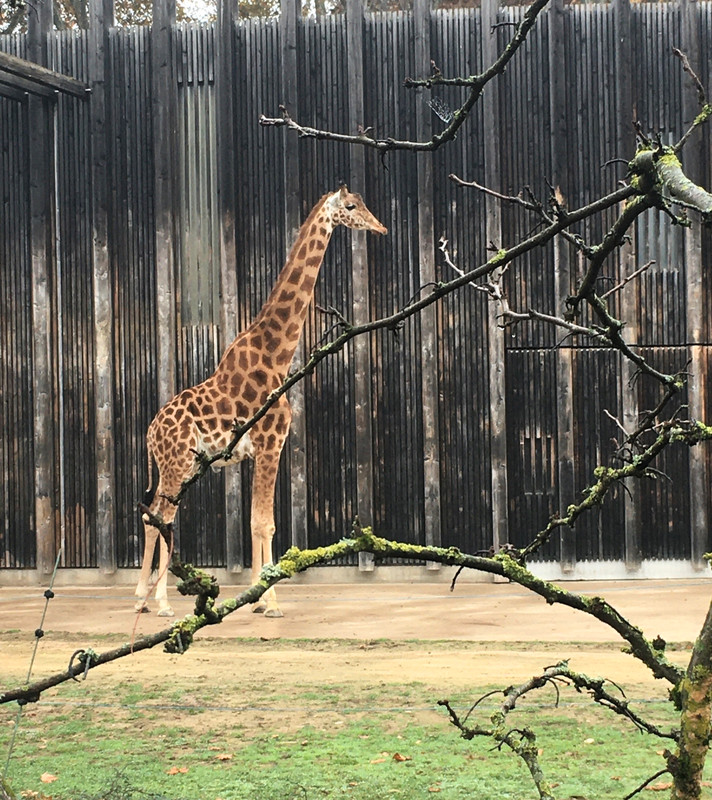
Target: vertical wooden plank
x=101 y=15
x=695 y=157
x=164 y=149
x=629 y=298
x=41 y=154
x=428 y=319
x=227 y=146
x=496 y=350
x=562 y=275
x=361 y=292
x=296 y=444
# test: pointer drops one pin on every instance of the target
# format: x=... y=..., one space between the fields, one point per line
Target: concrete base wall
x=583 y=570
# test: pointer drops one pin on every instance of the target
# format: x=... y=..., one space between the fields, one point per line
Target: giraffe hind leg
x=168 y=512
x=263 y=484
x=143 y=586
x=164 y=608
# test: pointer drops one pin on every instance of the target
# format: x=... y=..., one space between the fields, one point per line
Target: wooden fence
x=142 y=226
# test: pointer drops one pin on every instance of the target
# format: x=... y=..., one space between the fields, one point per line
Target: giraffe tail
x=150 y=493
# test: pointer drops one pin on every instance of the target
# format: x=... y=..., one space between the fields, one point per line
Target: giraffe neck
x=276 y=330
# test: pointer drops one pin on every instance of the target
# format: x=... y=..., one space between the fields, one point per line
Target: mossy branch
x=607 y=477
x=693 y=696
x=178 y=637
x=522 y=741
x=656 y=169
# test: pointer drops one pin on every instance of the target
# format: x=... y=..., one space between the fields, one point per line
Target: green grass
x=184 y=736
x=308 y=744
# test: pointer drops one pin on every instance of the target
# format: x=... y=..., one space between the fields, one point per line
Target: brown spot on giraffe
x=224 y=407
x=249 y=392
x=284 y=358
x=283 y=312
x=201 y=418
x=229 y=359
x=235 y=384
x=271 y=343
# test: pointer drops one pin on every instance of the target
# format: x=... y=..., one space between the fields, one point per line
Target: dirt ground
x=489 y=632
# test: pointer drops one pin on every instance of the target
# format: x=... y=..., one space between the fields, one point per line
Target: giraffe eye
x=350 y=206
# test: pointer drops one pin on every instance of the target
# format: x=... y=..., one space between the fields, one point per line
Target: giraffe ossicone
x=201 y=419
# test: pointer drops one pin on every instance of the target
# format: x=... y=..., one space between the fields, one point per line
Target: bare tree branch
x=178 y=637
x=475 y=84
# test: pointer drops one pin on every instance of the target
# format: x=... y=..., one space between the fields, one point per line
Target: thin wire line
x=49 y=594
x=531 y=706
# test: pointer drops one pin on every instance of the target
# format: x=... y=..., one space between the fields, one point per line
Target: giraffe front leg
x=164 y=608
x=168 y=512
x=263 y=527
x=261 y=555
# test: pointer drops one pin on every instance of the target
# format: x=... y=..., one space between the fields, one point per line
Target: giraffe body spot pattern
x=199 y=422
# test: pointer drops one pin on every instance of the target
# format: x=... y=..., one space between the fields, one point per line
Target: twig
x=645 y=783
x=701 y=94
x=513 y=199
x=628 y=279
x=474 y=83
x=617 y=422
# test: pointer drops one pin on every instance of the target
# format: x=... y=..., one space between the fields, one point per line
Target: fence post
x=361 y=312
x=164 y=149
x=629 y=299
x=101 y=17
x=291 y=11
x=43 y=256
x=497 y=354
x=428 y=317
x=556 y=18
x=226 y=146
x=695 y=157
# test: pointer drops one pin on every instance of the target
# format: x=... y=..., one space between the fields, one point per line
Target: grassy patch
x=183 y=739
x=306 y=719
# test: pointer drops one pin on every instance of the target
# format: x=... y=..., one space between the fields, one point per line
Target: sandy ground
x=481 y=632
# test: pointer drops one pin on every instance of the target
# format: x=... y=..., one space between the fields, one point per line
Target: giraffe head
x=347 y=208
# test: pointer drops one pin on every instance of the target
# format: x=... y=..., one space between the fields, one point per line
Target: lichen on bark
x=659 y=170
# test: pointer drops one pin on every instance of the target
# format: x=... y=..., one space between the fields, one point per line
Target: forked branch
x=474 y=83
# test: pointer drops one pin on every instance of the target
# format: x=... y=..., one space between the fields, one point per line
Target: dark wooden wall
x=142 y=228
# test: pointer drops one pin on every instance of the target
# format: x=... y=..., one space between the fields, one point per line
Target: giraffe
x=201 y=419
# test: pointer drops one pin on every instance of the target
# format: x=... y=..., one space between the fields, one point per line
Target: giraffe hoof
x=259 y=609
x=166 y=612
x=273 y=612
x=142 y=608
